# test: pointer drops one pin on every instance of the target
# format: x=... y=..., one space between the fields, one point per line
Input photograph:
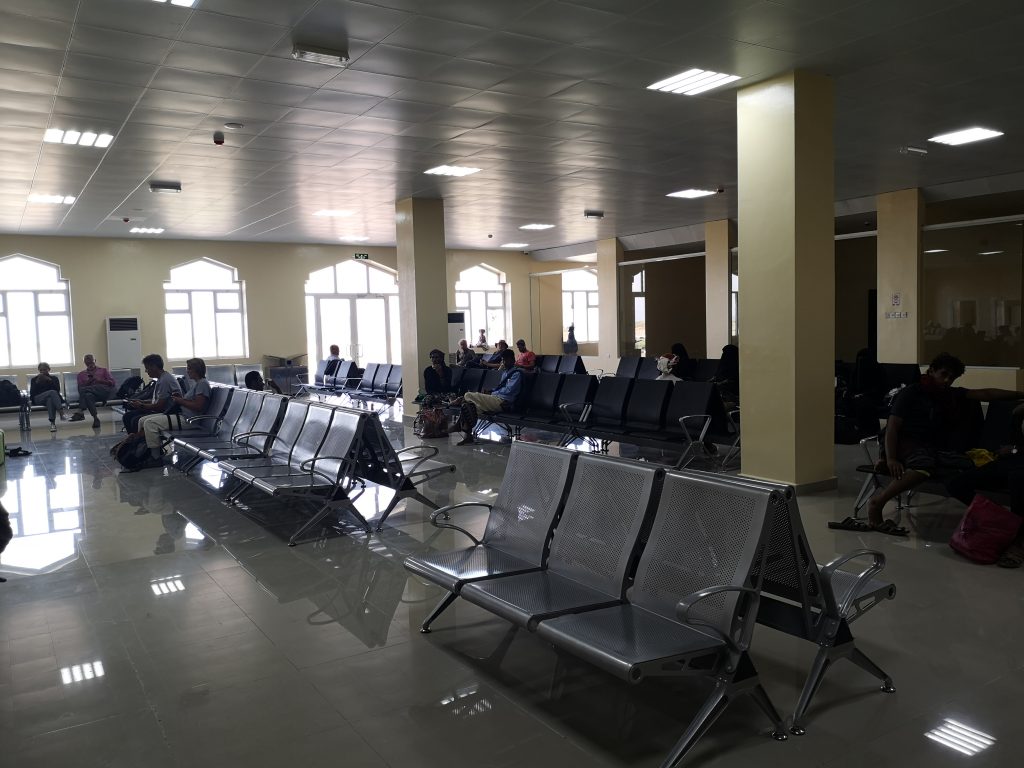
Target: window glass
x=204 y=311
x=580 y=303
x=482 y=293
x=35 y=313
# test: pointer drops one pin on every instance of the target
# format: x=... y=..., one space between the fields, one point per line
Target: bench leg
x=818 y=669
x=438 y=610
x=862 y=661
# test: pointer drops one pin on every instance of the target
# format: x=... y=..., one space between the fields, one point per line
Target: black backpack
x=132 y=452
x=9 y=394
x=130 y=387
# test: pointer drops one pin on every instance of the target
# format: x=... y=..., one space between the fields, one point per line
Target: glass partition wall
x=971 y=293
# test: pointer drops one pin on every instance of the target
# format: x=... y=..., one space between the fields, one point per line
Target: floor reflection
x=45 y=514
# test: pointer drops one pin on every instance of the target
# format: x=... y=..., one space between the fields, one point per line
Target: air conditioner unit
x=456 y=330
x=124 y=342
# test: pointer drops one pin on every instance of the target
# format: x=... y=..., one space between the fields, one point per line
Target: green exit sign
x=362 y=255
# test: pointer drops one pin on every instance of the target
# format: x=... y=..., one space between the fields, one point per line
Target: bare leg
x=911 y=478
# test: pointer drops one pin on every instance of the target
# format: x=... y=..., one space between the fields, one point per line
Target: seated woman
x=921 y=427
x=193 y=403
x=727 y=377
x=44 y=389
x=682 y=368
x=437 y=377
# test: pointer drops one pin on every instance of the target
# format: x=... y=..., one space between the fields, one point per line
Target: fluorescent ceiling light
x=693 y=81
x=333 y=213
x=452 y=170
x=315 y=55
x=354 y=238
x=182 y=3
x=81 y=138
x=515 y=245
x=937 y=250
x=988 y=253
x=165 y=187
x=690 y=194
x=965 y=136
x=35 y=197
x=960 y=738
x=537 y=226
x=147 y=230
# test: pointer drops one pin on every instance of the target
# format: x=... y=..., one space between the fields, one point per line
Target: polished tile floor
x=145 y=623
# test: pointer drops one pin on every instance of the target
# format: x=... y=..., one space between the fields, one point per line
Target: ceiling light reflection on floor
x=80 y=672
x=167 y=586
x=960 y=737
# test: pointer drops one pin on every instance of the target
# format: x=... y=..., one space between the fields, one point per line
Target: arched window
x=579 y=303
x=482 y=293
x=205 y=311
x=35 y=313
x=354 y=304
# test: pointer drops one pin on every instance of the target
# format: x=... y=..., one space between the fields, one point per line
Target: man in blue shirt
x=500 y=399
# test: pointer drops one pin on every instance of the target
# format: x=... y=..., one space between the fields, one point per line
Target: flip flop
x=890 y=528
x=17 y=452
x=851 y=524
x=1012 y=557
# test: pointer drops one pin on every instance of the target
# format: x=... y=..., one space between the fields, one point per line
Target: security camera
x=218 y=138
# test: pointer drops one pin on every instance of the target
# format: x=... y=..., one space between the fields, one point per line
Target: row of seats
x=647 y=368
x=295 y=448
x=644 y=572
x=225 y=375
x=560 y=364
x=644 y=412
x=378 y=382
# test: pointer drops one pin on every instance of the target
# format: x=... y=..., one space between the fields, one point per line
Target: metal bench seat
x=300 y=423
x=592 y=550
x=451 y=570
x=206 y=424
x=252 y=442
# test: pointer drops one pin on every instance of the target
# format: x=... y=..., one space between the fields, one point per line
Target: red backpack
x=986 y=530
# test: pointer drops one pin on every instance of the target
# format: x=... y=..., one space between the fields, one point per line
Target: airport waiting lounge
x=740 y=488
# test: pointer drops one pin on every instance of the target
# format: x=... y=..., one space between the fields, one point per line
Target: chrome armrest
x=244 y=437
x=683 y=422
x=430 y=450
x=749 y=615
x=865 y=442
x=584 y=413
x=444 y=512
x=828 y=571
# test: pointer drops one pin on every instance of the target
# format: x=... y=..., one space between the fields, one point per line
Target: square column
x=422 y=288
x=787 y=265
x=900 y=217
x=719 y=237
x=609 y=254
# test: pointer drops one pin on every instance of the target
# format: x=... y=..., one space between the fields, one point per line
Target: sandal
x=1013 y=557
x=851 y=524
x=17 y=452
x=889 y=527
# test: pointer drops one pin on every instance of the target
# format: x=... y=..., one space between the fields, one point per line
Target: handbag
x=431 y=422
x=985 y=531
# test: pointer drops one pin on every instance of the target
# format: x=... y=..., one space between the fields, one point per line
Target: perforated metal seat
x=593 y=546
x=219 y=398
x=240 y=446
x=518 y=524
x=242 y=411
x=301 y=431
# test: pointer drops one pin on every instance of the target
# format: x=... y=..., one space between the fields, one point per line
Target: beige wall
x=855 y=276
x=900 y=216
x=675 y=306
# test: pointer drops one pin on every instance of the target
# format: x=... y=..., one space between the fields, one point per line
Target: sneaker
x=53 y=427
x=79 y=416
x=95 y=423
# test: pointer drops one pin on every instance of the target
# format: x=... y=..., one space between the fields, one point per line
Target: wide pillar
x=900 y=218
x=787 y=270
x=422 y=288
x=719 y=237
x=609 y=254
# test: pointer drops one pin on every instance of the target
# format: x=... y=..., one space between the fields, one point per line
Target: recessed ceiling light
x=52 y=199
x=234 y=126
x=537 y=226
x=937 y=250
x=693 y=81
x=332 y=213
x=182 y=3
x=965 y=136
x=81 y=138
x=514 y=245
x=452 y=170
x=165 y=187
x=147 y=230
x=315 y=55
x=689 y=194
x=988 y=253
x=960 y=738
x=354 y=238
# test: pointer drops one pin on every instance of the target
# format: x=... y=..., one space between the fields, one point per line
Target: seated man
x=166 y=386
x=335 y=354
x=502 y=398
x=525 y=359
x=921 y=428
x=437 y=377
x=95 y=385
x=494 y=359
x=466 y=357
x=192 y=404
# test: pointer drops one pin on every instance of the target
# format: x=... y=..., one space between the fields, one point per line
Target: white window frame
x=13 y=323
x=497 y=297
x=570 y=309
x=237 y=288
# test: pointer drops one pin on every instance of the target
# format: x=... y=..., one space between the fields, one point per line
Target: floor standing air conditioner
x=456 y=330
x=124 y=342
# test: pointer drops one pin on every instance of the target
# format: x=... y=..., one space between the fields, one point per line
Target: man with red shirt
x=525 y=359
